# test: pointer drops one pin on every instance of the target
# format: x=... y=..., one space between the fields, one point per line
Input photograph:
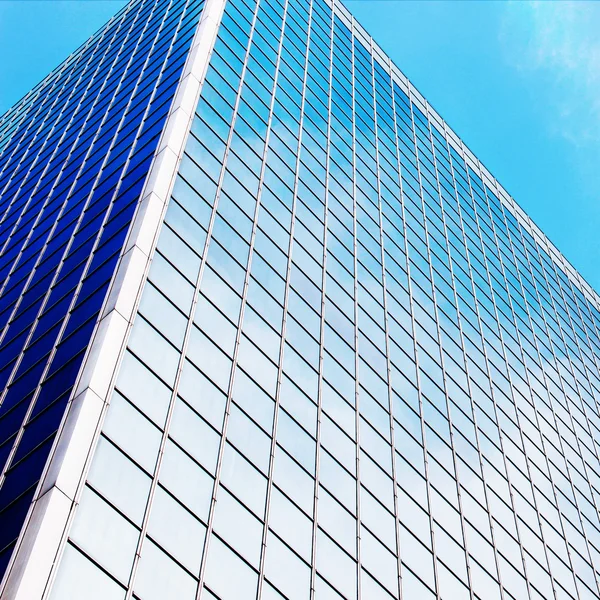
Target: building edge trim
x=43 y=537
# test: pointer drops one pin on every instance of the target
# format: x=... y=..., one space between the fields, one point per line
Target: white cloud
x=559 y=43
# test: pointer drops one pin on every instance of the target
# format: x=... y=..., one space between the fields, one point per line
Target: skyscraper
x=270 y=330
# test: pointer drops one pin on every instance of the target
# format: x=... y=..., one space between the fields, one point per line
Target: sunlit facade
x=271 y=331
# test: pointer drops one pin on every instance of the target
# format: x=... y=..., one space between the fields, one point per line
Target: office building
x=270 y=330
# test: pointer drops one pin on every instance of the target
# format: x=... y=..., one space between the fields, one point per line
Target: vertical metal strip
x=313 y=575
x=386 y=323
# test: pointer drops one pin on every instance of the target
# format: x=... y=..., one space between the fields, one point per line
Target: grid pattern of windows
x=354 y=372
x=75 y=153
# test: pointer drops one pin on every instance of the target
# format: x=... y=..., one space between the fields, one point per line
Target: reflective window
x=105 y=535
x=119 y=480
x=227 y=574
x=176 y=530
x=78 y=576
x=158 y=575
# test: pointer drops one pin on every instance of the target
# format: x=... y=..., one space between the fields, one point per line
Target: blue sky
x=518 y=81
x=37 y=35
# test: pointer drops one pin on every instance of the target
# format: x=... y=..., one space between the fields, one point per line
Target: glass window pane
x=154 y=350
x=202 y=395
x=249 y=439
x=238 y=527
x=293 y=480
x=78 y=578
x=159 y=577
x=296 y=441
x=144 y=389
x=336 y=566
x=195 y=436
x=290 y=524
x=285 y=570
x=105 y=535
x=254 y=400
x=244 y=480
x=227 y=574
x=135 y=434
x=186 y=480
x=176 y=530
x=119 y=480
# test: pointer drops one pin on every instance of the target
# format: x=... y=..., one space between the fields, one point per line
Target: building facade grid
x=357 y=370
x=467 y=231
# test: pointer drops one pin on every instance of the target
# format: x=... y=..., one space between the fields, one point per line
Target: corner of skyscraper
x=270 y=331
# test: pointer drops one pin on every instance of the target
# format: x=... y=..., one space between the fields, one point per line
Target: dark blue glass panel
x=13 y=516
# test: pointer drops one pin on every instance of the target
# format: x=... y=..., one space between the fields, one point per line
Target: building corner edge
x=44 y=534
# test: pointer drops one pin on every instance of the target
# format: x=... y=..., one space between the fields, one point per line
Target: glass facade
x=356 y=369
x=75 y=154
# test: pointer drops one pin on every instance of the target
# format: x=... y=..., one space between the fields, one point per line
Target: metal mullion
x=566 y=466
x=555 y=256
x=132 y=150
x=47 y=366
x=448 y=407
x=54 y=278
x=560 y=437
x=476 y=220
x=32 y=123
x=22 y=153
x=585 y=367
x=410 y=284
x=285 y=306
x=65 y=321
x=185 y=344
x=494 y=402
x=38 y=218
x=285 y=313
x=554 y=415
x=527 y=460
x=63 y=326
x=593 y=323
x=20 y=212
x=57 y=272
x=26 y=102
x=415 y=354
x=589 y=301
x=386 y=324
x=570 y=362
x=154 y=480
x=488 y=373
x=313 y=574
x=356 y=332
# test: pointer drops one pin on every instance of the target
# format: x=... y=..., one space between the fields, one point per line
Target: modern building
x=270 y=330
